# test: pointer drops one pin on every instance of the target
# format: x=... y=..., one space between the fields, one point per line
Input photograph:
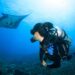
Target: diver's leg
x=69 y=56
x=65 y=47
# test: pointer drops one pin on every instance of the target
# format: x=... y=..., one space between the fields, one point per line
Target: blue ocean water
x=15 y=43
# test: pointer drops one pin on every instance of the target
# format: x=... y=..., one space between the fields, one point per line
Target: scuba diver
x=54 y=37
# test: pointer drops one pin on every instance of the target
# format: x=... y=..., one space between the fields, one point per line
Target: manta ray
x=11 y=21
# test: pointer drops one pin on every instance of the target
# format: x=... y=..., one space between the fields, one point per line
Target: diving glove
x=44 y=63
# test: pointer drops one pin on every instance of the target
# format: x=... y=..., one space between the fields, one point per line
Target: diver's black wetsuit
x=57 y=49
x=55 y=57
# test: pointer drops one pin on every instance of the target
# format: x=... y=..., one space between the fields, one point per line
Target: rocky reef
x=33 y=67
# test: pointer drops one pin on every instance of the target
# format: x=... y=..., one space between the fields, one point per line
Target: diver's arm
x=42 y=52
